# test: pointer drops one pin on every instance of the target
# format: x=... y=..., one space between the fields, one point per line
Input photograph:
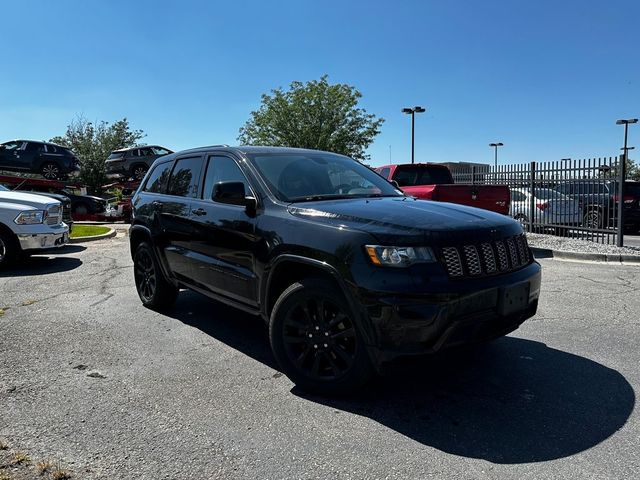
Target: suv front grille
x=499 y=256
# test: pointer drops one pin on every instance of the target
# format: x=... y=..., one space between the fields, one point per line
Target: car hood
x=405 y=219
x=37 y=201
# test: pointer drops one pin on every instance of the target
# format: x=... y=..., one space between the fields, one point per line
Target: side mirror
x=233 y=193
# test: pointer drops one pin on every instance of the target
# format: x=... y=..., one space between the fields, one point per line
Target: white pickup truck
x=29 y=223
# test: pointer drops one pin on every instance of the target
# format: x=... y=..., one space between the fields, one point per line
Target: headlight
x=399 y=256
x=30 y=218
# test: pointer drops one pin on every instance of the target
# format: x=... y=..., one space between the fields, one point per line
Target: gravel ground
x=565 y=244
x=112 y=390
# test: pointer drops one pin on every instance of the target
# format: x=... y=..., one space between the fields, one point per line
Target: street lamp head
x=419 y=109
x=407 y=110
x=499 y=144
x=627 y=121
x=628 y=148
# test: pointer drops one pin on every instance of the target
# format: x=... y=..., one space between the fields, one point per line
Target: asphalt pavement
x=631 y=240
x=116 y=391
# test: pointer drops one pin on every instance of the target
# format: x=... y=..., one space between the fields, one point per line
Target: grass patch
x=44 y=466
x=60 y=473
x=19 y=458
x=80 y=231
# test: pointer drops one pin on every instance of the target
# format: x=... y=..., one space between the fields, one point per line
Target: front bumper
x=427 y=323
x=44 y=240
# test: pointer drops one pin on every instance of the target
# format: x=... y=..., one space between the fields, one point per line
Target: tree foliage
x=315 y=115
x=93 y=143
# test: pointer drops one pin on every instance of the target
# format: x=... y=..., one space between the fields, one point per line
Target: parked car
x=348 y=272
x=551 y=207
x=134 y=162
x=430 y=181
x=47 y=159
x=64 y=201
x=29 y=223
x=599 y=199
x=80 y=204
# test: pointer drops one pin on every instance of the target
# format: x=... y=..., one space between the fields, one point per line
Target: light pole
x=622 y=177
x=495 y=157
x=412 y=112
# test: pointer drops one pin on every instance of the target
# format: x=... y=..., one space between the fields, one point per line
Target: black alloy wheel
x=153 y=289
x=316 y=341
x=139 y=172
x=50 y=171
x=593 y=219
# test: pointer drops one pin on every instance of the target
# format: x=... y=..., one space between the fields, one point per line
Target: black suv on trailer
x=51 y=161
x=134 y=162
x=347 y=271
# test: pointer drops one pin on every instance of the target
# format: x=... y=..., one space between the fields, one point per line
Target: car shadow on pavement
x=41 y=265
x=508 y=402
x=511 y=401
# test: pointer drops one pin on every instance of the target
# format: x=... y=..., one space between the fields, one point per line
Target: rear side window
x=158 y=178
x=518 y=196
x=222 y=169
x=185 y=177
x=421 y=175
x=115 y=155
x=34 y=147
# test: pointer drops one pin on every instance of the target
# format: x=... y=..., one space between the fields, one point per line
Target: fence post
x=622 y=164
x=532 y=186
x=473 y=174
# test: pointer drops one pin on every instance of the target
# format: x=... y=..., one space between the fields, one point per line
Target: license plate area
x=514 y=299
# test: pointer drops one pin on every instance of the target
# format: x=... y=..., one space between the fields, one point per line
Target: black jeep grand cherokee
x=348 y=272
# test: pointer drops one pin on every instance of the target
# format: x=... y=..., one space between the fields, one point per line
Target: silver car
x=550 y=207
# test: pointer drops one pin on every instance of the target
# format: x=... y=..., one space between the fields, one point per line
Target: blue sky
x=547 y=78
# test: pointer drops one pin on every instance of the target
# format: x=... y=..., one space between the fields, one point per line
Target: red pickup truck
x=430 y=181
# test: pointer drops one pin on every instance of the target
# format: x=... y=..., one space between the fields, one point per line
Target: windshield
x=410 y=176
x=3 y=189
x=319 y=176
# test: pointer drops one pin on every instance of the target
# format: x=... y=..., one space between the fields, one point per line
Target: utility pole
x=412 y=112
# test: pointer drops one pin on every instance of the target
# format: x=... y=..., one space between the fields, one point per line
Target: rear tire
x=50 y=171
x=316 y=340
x=593 y=219
x=154 y=290
x=9 y=250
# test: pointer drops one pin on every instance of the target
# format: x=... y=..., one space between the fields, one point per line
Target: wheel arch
x=288 y=268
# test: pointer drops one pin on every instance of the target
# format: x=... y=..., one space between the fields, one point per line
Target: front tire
x=316 y=341
x=154 y=290
x=138 y=172
x=9 y=250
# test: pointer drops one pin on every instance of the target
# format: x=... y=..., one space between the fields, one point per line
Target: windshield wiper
x=314 y=198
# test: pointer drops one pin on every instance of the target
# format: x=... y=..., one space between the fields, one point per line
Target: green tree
x=633 y=170
x=313 y=115
x=93 y=143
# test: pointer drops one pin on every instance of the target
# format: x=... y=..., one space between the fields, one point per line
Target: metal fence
x=572 y=198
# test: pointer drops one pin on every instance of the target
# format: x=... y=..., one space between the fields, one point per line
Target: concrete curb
x=586 y=257
x=110 y=234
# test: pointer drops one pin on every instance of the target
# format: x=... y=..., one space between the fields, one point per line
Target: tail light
x=625 y=199
x=542 y=206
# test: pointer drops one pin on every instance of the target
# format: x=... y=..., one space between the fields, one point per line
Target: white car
x=29 y=223
x=550 y=207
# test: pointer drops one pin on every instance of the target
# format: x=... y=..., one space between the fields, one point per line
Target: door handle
x=199 y=211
